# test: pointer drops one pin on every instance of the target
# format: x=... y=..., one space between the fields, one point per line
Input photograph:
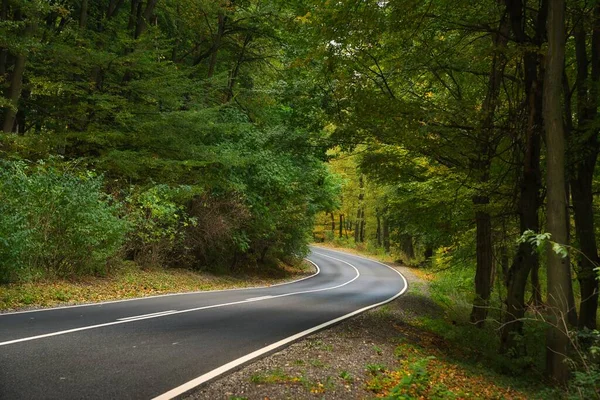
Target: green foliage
x=157 y=222
x=55 y=221
x=415 y=381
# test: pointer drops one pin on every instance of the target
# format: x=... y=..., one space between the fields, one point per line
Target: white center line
x=147 y=315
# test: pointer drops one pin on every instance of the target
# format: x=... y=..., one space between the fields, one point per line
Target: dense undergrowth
x=476 y=349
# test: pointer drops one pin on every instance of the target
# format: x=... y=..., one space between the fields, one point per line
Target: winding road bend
x=161 y=347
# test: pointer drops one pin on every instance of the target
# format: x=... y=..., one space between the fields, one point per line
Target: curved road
x=160 y=347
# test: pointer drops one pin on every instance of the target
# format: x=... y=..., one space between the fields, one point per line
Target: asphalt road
x=161 y=347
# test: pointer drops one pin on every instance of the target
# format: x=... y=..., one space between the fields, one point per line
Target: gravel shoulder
x=335 y=363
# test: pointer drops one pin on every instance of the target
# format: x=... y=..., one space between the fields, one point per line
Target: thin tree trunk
x=83 y=14
x=341 y=225
x=133 y=13
x=363 y=223
x=222 y=19
x=378 y=232
x=332 y=224
x=236 y=70
x=386 y=235
x=3 y=52
x=16 y=85
x=558 y=267
x=358 y=224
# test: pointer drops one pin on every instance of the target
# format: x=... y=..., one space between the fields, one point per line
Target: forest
x=458 y=136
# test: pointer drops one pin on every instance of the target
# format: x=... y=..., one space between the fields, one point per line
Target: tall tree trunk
x=558 y=267
x=526 y=258
x=586 y=143
x=485 y=146
x=341 y=224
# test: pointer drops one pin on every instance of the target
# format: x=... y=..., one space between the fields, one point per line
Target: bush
x=158 y=220
x=55 y=221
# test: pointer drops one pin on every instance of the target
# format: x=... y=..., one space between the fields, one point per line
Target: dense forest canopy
x=459 y=134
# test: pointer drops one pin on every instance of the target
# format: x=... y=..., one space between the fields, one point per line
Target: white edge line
x=162 y=295
x=248 y=357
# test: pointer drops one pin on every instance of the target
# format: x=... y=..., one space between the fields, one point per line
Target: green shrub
x=158 y=219
x=55 y=221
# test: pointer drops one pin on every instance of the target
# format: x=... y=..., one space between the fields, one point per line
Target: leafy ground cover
x=132 y=281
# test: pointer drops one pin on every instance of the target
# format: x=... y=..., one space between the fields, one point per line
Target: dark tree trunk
x=222 y=20
x=144 y=16
x=113 y=8
x=428 y=252
x=83 y=14
x=332 y=224
x=559 y=275
x=386 y=235
x=586 y=143
x=378 y=233
x=526 y=258
x=133 y=14
x=363 y=223
x=3 y=52
x=341 y=225
x=481 y=165
x=406 y=243
x=585 y=230
x=16 y=85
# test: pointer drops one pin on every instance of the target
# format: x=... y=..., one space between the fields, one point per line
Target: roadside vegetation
x=144 y=138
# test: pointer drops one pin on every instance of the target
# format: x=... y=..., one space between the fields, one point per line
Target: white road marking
x=162 y=295
x=248 y=357
x=149 y=316
x=259 y=298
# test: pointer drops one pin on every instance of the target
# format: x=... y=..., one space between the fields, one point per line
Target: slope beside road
x=164 y=346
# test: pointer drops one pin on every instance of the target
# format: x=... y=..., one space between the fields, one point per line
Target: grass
x=132 y=281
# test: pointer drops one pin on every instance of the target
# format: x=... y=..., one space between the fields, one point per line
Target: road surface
x=161 y=347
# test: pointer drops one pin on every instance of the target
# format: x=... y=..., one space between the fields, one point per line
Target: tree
x=558 y=265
